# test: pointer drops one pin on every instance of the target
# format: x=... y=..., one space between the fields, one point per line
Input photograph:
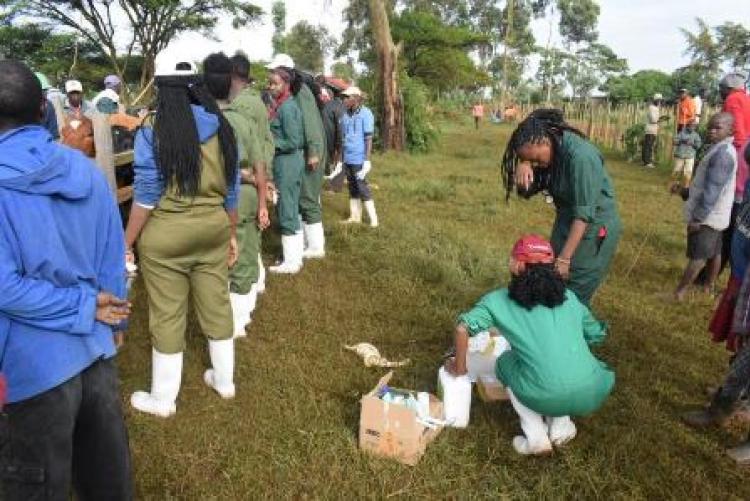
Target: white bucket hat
x=353 y=91
x=166 y=66
x=281 y=61
x=73 y=86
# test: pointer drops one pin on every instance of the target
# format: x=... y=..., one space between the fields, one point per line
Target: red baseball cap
x=533 y=249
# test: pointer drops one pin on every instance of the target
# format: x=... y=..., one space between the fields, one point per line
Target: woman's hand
x=263 y=219
x=524 y=175
x=129 y=256
x=234 y=253
x=313 y=162
x=562 y=266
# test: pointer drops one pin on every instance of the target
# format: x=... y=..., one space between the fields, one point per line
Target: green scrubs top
x=315 y=145
x=549 y=366
x=582 y=189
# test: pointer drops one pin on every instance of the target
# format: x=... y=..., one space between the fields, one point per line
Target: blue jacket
x=148 y=186
x=61 y=242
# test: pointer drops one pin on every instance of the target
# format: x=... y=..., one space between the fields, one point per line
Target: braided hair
x=543 y=124
x=537 y=284
x=177 y=146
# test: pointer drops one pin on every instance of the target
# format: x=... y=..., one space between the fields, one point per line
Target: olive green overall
x=315 y=145
x=183 y=253
x=245 y=272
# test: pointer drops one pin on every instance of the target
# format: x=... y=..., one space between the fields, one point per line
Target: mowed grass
x=444 y=239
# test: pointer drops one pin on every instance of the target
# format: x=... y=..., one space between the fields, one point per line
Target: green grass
x=444 y=240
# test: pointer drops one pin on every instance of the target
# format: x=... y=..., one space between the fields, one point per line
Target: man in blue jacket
x=62 y=262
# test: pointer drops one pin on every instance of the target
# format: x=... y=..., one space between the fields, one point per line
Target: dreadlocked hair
x=538 y=284
x=540 y=125
x=177 y=147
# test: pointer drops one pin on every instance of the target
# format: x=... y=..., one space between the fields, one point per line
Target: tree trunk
x=392 y=111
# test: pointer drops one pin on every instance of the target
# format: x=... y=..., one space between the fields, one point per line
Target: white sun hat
x=281 y=61
x=73 y=86
x=166 y=66
x=352 y=91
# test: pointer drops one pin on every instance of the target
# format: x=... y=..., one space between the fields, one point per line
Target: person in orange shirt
x=477 y=112
x=685 y=110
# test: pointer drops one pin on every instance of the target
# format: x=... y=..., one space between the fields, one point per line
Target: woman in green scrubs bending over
x=546 y=153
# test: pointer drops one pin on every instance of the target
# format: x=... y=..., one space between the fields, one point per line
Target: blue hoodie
x=61 y=242
x=148 y=186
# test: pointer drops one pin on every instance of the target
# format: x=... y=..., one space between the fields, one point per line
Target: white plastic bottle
x=455 y=392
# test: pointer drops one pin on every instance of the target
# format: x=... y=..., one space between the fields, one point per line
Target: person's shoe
x=221 y=376
x=524 y=447
x=355 y=212
x=166 y=376
x=561 y=430
x=293 y=246
x=261 y=275
x=650 y=166
x=371 y=214
x=316 y=241
x=717 y=413
x=740 y=453
x=252 y=300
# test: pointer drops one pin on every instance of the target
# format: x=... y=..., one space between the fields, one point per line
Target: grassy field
x=444 y=240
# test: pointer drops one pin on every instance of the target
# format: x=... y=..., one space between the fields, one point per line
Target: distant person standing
x=49 y=120
x=698 y=101
x=108 y=100
x=358 y=127
x=652 y=129
x=687 y=142
x=477 y=112
x=78 y=129
x=685 y=110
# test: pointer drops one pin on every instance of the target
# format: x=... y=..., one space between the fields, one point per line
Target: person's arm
x=147 y=186
x=733 y=107
x=697 y=141
x=721 y=168
x=41 y=304
x=314 y=142
x=741 y=316
x=261 y=184
x=474 y=321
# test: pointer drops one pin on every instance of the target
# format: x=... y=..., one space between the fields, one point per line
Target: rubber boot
x=316 y=241
x=221 y=376
x=717 y=413
x=371 y=214
x=535 y=440
x=293 y=246
x=355 y=212
x=166 y=376
x=560 y=430
x=240 y=313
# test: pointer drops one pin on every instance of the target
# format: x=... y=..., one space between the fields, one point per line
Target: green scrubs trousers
x=245 y=271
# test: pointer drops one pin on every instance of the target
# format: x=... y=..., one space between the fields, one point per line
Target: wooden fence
x=607 y=124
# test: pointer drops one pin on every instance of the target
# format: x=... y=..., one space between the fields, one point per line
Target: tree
x=58 y=55
x=590 y=66
x=392 y=112
x=734 y=42
x=578 y=19
x=639 y=87
x=344 y=70
x=278 y=18
x=308 y=45
x=437 y=53
x=705 y=53
x=150 y=24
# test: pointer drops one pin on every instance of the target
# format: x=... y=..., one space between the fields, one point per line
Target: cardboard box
x=490 y=389
x=393 y=430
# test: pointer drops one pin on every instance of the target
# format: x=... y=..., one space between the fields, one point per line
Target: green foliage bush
x=421 y=131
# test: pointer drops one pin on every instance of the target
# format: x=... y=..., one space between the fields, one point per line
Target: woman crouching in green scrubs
x=184 y=217
x=544 y=152
x=288 y=166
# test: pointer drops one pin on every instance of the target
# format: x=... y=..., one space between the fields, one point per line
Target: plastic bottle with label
x=455 y=392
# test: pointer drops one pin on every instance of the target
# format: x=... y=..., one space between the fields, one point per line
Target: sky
x=645 y=32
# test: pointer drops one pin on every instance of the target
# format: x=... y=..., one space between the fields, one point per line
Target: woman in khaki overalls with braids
x=185 y=211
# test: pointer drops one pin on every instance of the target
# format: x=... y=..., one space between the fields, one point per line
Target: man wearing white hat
x=78 y=129
x=315 y=152
x=652 y=129
x=357 y=128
